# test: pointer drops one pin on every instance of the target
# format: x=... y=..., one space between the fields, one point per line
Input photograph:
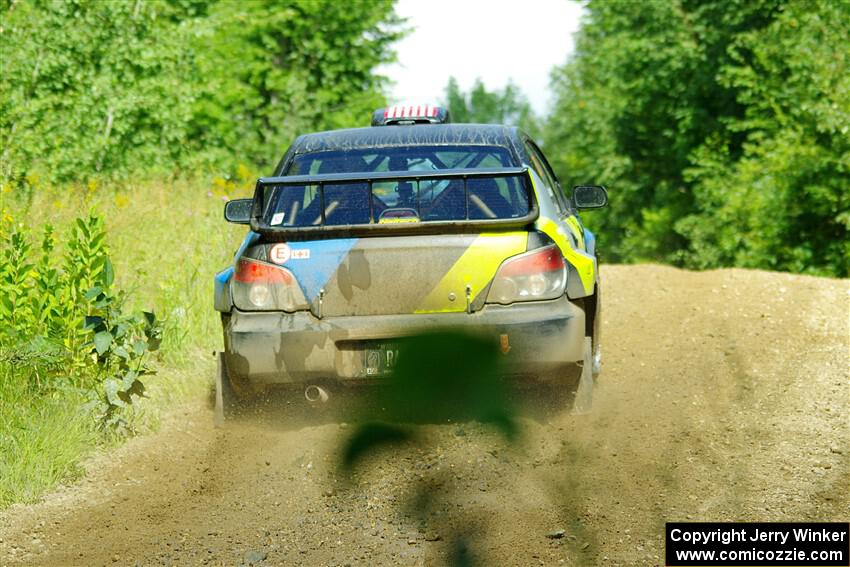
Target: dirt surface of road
x=724 y=397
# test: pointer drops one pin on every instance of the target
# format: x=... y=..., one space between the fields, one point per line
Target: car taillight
x=539 y=274
x=258 y=286
x=250 y=271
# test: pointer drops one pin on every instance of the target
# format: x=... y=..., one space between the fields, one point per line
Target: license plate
x=380 y=359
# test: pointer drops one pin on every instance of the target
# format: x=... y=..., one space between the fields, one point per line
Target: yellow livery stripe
x=582 y=261
x=572 y=222
x=475 y=268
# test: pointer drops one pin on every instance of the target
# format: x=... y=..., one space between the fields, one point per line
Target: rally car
x=364 y=236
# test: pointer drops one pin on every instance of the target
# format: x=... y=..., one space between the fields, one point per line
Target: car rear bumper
x=265 y=349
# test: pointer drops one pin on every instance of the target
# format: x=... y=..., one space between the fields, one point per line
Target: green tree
x=88 y=87
x=97 y=88
x=501 y=106
x=275 y=69
x=720 y=127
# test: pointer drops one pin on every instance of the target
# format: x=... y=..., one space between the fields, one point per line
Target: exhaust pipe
x=315 y=394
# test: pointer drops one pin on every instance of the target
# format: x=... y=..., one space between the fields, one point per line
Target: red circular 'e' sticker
x=279 y=253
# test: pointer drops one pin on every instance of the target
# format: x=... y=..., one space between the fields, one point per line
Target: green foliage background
x=722 y=128
x=110 y=88
x=480 y=106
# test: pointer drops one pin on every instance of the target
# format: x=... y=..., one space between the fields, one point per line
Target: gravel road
x=725 y=395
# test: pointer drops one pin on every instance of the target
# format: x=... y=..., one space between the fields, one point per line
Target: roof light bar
x=410 y=114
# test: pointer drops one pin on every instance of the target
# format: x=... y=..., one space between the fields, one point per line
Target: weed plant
x=78 y=338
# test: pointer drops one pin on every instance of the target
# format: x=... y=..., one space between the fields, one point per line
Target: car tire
x=226 y=400
x=583 y=400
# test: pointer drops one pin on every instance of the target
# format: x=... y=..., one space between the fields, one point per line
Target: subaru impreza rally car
x=364 y=236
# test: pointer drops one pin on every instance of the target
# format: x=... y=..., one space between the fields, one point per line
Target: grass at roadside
x=166 y=241
x=43 y=437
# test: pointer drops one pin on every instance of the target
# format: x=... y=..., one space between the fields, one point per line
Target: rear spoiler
x=260 y=225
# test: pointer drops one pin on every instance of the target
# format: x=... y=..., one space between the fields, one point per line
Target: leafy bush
x=51 y=417
x=121 y=342
x=62 y=324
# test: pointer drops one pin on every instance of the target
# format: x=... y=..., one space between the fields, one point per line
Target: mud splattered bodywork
x=270 y=349
x=370 y=235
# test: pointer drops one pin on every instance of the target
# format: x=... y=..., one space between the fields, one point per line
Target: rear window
x=406 y=158
x=385 y=201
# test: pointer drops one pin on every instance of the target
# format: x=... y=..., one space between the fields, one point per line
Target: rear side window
x=399 y=200
x=541 y=167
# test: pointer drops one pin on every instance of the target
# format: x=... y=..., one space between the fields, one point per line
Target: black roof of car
x=412 y=135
